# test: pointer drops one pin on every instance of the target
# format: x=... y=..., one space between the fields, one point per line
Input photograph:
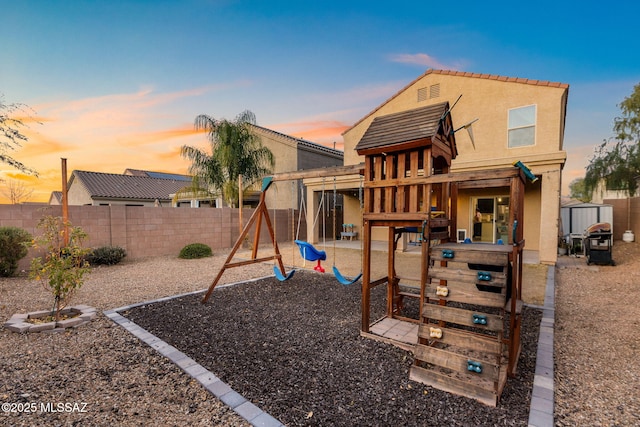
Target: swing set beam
x=262 y=212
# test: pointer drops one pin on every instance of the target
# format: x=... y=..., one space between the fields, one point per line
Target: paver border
x=541 y=411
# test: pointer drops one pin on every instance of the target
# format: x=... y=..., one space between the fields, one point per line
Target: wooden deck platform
x=400 y=333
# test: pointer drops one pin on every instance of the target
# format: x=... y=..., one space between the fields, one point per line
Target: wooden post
x=366 y=276
x=391 y=294
x=240 y=203
x=65 y=204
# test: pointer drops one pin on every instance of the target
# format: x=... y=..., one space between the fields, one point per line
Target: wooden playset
x=469 y=294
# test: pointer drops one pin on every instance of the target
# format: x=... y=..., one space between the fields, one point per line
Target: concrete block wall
x=620 y=217
x=149 y=231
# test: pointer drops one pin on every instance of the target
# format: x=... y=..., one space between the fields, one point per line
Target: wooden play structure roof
x=409 y=129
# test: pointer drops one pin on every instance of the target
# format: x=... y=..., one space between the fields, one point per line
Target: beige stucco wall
x=489 y=99
x=285 y=153
x=77 y=195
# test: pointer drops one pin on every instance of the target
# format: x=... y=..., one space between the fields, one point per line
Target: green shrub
x=106 y=255
x=195 y=250
x=12 y=249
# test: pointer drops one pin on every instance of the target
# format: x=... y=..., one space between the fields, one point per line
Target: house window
x=522 y=126
x=422 y=94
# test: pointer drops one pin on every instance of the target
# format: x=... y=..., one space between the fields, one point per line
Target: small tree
x=62 y=269
x=16 y=191
x=617 y=161
x=578 y=191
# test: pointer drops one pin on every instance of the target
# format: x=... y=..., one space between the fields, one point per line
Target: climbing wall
x=466 y=330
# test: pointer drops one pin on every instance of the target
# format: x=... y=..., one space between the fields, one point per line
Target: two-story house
x=510 y=119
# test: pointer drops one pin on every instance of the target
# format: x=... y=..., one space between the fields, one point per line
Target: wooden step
x=462 y=339
x=461 y=316
x=480 y=390
x=472 y=253
x=457 y=362
x=467 y=293
x=466 y=275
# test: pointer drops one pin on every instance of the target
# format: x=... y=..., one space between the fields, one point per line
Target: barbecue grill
x=599 y=244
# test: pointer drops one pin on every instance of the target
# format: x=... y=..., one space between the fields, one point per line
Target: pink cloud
x=421 y=59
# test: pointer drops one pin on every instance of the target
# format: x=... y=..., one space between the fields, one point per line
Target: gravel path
x=123 y=382
x=597 y=342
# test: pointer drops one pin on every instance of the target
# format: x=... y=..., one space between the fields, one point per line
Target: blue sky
x=117 y=84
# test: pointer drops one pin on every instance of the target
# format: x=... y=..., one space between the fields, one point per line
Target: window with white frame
x=522 y=126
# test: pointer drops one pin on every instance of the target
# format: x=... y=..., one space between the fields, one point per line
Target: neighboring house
x=55 y=198
x=293 y=154
x=514 y=119
x=147 y=188
x=141 y=189
x=290 y=154
x=601 y=193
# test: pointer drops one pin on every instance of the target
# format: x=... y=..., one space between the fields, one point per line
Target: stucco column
x=549 y=216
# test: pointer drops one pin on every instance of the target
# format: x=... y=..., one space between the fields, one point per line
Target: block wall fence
x=150 y=231
x=620 y=209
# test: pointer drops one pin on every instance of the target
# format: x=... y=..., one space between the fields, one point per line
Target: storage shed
x=577 y=216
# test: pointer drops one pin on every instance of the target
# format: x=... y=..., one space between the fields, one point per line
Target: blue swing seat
x=310 y=253
x=345 y=281
x=281 y=277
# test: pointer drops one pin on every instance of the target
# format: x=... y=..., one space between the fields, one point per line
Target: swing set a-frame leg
x=260 y=212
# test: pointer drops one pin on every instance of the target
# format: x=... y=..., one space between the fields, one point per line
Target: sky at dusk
x=118 y=84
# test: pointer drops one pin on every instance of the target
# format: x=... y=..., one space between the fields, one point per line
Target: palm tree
x=235 y=151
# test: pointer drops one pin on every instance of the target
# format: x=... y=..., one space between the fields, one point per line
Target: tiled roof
x=57 y=196
x=406 y=126
x=161 y=175
x=116 y=186
x=303 y=142
x=495 y=77
x=465 y=74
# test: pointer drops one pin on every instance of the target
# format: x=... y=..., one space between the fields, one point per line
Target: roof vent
x=422 y=94
x=434 y=91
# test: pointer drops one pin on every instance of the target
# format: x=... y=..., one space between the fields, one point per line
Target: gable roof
x=115 y=186
x=463 y=74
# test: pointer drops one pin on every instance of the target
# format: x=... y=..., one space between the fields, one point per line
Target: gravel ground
x=597 y=342
x=123 y=382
